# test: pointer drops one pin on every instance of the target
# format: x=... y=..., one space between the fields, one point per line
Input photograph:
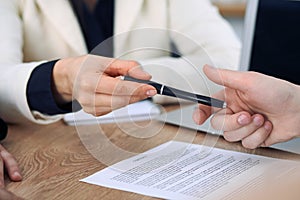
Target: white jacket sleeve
x=14 y=74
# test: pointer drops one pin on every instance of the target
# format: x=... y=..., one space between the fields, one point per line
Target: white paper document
x=177 y=170
x=143 y=110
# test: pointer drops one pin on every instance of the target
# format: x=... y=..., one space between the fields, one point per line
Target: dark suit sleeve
x=39 y=93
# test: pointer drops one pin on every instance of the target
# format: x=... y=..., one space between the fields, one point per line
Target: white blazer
x=36 y=31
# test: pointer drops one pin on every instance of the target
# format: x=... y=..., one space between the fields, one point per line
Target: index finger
x=228 y=78
x=115 y=86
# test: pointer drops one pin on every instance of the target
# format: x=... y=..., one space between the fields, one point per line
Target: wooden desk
x=53 y=158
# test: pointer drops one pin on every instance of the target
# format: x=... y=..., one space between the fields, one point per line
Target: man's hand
x=261 y=110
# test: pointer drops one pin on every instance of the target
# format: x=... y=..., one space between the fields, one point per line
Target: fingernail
x=17 y=175
x=267 y=126
x=257 y=121
x=243 y=120
x=151 y=93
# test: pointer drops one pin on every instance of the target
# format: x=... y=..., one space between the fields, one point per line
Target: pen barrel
x=157 y=86
x=197 y=98
x=173 y=92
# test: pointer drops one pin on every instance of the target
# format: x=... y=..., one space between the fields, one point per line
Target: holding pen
x=173 y=92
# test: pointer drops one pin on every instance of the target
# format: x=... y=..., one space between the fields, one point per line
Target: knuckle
x=85 y=84
x=122 y=89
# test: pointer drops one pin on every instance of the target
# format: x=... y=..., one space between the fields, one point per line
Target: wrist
x=61 y=87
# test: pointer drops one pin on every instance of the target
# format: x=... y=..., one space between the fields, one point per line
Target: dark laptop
x=272 y=38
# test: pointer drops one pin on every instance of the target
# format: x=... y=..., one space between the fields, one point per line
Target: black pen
x=173 y=92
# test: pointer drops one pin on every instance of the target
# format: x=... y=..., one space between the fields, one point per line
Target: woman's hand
x=261 y=110
x=94 y=82
x=8 y=163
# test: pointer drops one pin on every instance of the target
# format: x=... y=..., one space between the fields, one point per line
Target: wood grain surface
x=53 y=158
x=232 y=10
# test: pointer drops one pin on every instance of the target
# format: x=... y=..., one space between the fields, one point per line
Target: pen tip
x=224 y=105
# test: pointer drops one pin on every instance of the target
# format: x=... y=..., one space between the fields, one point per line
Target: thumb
x=127 y=67
x=227 y=78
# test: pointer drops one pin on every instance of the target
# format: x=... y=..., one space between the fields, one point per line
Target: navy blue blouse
x=96 y=27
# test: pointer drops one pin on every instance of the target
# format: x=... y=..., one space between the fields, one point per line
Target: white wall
x=237 y=24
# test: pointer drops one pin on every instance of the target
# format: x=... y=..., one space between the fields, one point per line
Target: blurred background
x=233 y=11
